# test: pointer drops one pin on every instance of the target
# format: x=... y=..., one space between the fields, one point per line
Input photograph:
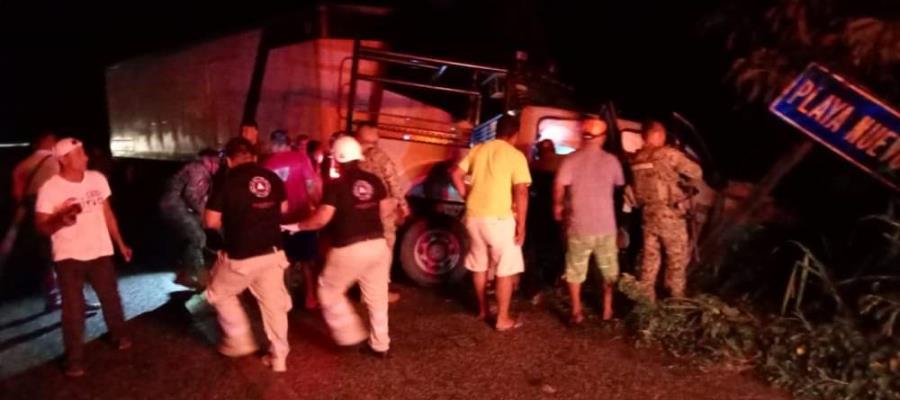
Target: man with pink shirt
x=302 y=191
x=590 y=175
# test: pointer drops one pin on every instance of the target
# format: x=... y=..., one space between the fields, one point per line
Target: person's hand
x=558 y=212
x=520 y=234
x=126 y=251
x=402 y=213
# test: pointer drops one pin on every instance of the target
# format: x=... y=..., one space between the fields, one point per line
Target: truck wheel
x=433 y=250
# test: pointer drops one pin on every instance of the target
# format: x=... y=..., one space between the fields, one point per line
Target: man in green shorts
x=590 y=175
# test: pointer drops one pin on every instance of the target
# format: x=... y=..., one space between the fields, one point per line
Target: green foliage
x=771 y=44
x=830 y=361
x=852 y=354
x=804 y=268
x=703 y=328
x=884 y=310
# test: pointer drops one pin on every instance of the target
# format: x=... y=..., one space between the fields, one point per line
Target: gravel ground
x=439 y=351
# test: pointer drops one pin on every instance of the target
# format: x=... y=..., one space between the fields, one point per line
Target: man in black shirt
x=246 y=203
x=352 y=207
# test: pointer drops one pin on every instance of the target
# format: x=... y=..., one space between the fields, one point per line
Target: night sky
x=55 y=51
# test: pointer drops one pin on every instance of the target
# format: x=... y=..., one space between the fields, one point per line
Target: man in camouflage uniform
x=659 y=172
x=377 y=162
x=182 y=207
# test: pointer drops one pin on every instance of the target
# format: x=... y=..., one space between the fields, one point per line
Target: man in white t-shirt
x=73 y=209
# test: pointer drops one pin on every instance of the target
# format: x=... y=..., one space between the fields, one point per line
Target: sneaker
x=368 y=350
x=74 y=370
x=245 y=349
x=277 y=364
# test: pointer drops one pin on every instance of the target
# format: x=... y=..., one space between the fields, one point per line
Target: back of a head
x=207 y=153
x=507 y=126
x=279 y=138
x=45 y=140
x=238 y=148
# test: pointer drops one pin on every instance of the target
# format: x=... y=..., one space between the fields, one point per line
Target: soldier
x=377 y=162
x=353 y=207
x=658 y=171
x=182 y=208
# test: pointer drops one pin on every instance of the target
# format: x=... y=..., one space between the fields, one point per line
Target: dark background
x=650 y=56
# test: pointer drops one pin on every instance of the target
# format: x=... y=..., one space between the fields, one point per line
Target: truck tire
x=433 y=250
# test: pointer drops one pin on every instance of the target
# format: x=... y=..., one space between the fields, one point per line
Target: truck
x=429 y=111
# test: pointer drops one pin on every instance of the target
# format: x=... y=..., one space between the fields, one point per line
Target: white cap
x=346 y=149
x=65 y=146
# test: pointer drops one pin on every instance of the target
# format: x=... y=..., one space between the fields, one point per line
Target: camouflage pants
x=665 y=232
x=389 y=222
x=191 y=240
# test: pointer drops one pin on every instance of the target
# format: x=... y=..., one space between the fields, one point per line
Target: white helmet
x=346 y=149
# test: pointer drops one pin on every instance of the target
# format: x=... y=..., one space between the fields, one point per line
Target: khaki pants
x=369 y=263
x=264 y=276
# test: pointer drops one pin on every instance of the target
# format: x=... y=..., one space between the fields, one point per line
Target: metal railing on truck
x=411 y=128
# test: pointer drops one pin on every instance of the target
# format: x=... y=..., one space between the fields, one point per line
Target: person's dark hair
x=650 y=123
x=279 y=137
x=208 y=153
x=312 y=146
x=365 y=124
x=250 y=124
x=507 y=126
x=41 y=136
x=239 y=146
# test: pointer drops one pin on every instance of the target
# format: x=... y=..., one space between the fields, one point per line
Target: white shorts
x=492 y=244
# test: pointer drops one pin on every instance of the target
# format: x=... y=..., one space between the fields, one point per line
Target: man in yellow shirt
x=496 y=205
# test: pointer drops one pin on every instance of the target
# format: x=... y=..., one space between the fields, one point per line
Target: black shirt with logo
x=249 y=198
x=355 y=196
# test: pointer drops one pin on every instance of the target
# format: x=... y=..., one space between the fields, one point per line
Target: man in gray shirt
x=591 y=176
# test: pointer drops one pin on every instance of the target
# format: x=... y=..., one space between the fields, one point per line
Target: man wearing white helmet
x=352 y=207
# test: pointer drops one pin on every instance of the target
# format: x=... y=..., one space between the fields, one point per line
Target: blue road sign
x=845 y=118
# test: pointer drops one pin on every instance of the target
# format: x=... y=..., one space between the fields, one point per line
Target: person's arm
x=112 y=224
x=394 y=188
x=321 y=217
x=18 y=185
x=387 y=206
x=559 y=195
x=48 y=224
x=521 y=179
x=196 y=188
x=457 y=175
x=562 y=179
x=212 y=219
x=520 y=206
x=687 y=167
